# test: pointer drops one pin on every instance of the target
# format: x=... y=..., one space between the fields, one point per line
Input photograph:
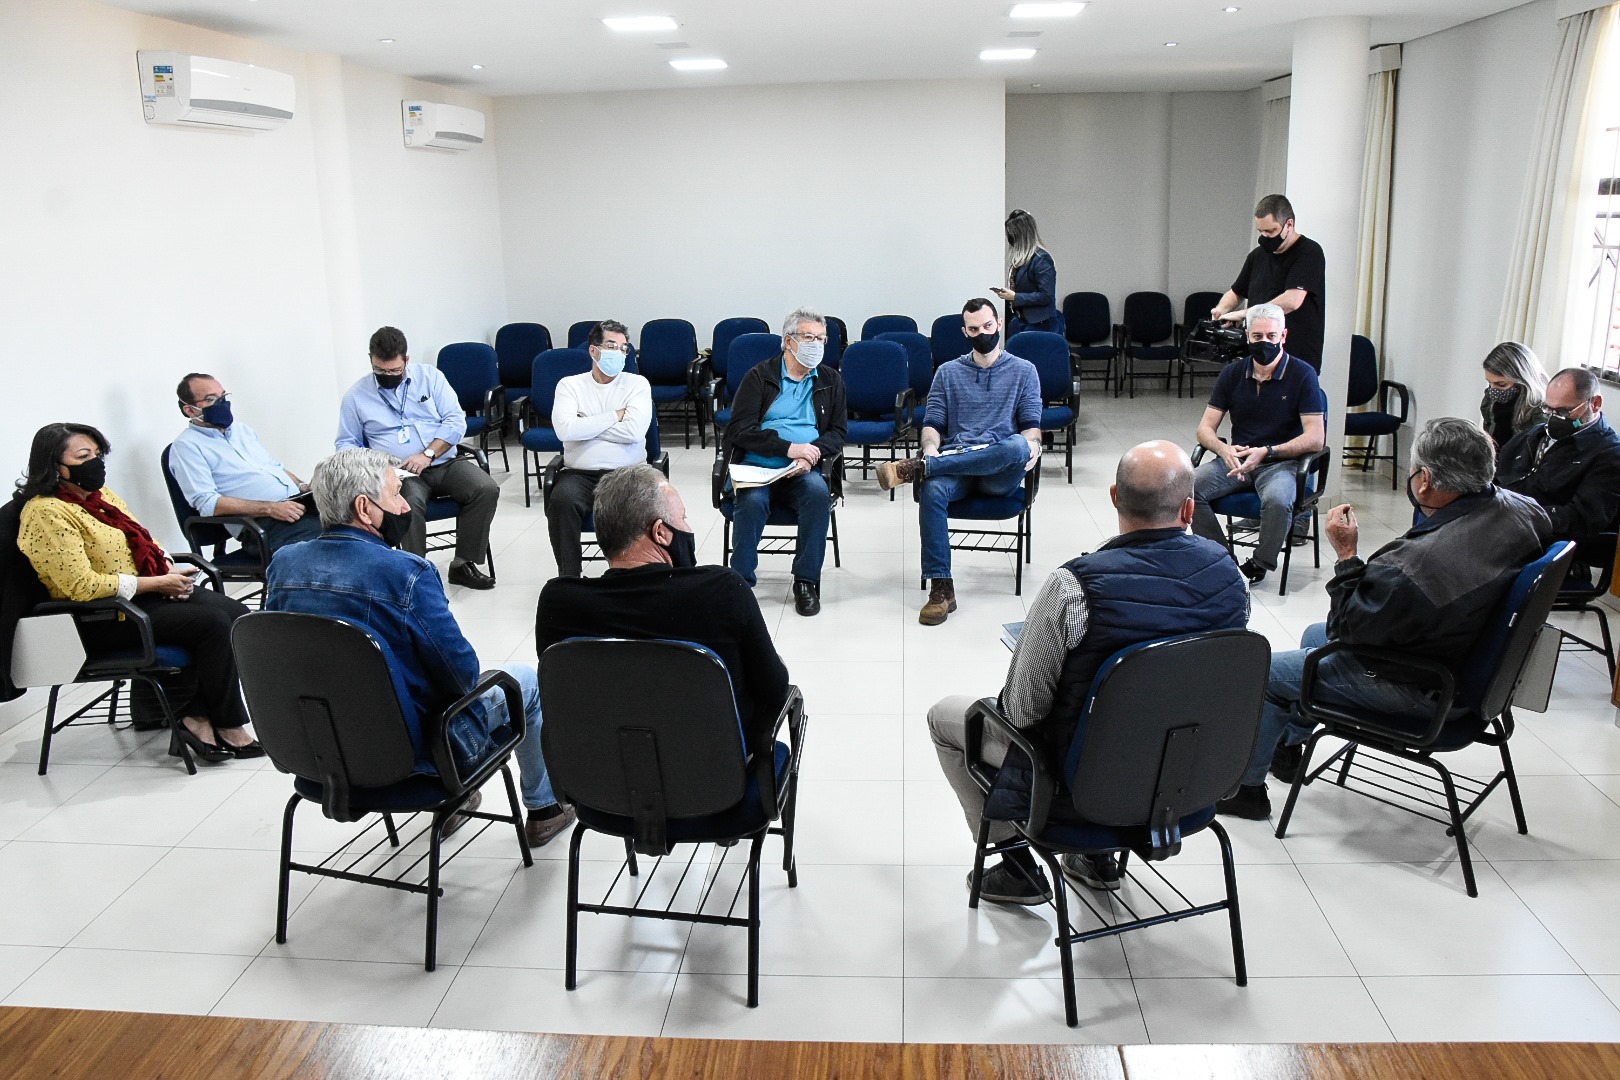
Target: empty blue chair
x=669 y=361
x=1093 y=339
x=886 y=324
x=1373 y=424
x=725 y=332
x=1060 y=393
x=746 y=351
x=1149 y=336
x=837 y=339
x=919 y=366
x=516 y=346
x=877 y=382
x=946 y=340
x=579 y=333
x=538 y=438
x=473 y=372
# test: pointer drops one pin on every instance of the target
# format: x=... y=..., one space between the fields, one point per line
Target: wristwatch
x=430 y=453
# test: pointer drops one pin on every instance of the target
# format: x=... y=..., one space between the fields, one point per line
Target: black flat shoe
x=213 y=753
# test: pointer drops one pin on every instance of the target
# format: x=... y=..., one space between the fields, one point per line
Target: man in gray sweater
x=981 y=434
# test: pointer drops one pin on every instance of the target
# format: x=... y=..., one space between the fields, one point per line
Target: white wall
x=1465 y=114
x=1149 y=191
x=858 y=199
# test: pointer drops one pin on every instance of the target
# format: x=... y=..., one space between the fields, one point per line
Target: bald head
x=1153 y=487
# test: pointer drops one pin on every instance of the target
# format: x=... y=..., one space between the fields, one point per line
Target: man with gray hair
x=1426 y=594
x=1277 y=418
x=789 y=413
x=1151 y=581
x=353 y=572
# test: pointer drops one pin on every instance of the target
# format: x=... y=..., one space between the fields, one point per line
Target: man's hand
x=1342 y=531
x=1230 y=457
x=417 y=463
x=284 y=511
x=797 y=467
x=619 y=413
x=1233 y=316
x=1245 y=459
x=1034 y=455
x=809 y=453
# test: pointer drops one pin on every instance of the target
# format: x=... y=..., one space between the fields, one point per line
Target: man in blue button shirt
x=409 y=410
x=1277 y=418
x=223 y=469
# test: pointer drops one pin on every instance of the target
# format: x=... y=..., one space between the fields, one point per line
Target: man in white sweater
x=601 y=418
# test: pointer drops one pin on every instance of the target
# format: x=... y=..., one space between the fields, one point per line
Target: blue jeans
x=992 y=472
x=533 y=778
x=1339 y=681
x=1275 y=484
x=807 y=498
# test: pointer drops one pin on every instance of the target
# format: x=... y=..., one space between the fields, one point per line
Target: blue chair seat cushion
x=1153 y=352
x=167 y=656
x=1371 y=423
x=542 y=440
x=1095 y=352
x=408 y=796
x=441 y=509
x=747 y=817
x=988 y=507
x=668 y=393
x=1054 y=417
x=722 y=417
x=1241 y=504
x=1461 y=729
x=868 y=432
x=1086 y=836
x=476 y=425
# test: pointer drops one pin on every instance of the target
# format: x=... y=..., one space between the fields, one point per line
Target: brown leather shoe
x=541 y=831
x=941 y=602
x=460 y=818
x=892 y=474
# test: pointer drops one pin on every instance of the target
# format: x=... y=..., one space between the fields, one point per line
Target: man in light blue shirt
x=409 y=410
x=222 y=469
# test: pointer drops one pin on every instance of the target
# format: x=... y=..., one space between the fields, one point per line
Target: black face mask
x=984 y=344
x=90 y=475
x=388 y=382
x=218 y=414
x=682 y=550
x=394 y=527
x=1423 y=511
x=1271 y=244
x=1264 y=352
x=1562 y=427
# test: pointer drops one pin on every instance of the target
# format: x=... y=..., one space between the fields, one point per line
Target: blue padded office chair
x=590 y=550
x=746 y=351
x=669 y=361
x=1373 y=424
x=516 y=346
x=473 y=372
x=537 y=435
x=781 y=535
x=877 y=382
x=1148 y=334
x=920 y=367
x=887 y=324
x=837 y=341
x=1093 y=338
x=1060 y=390
x=1475 y=708
x=725 y=332
x=945 y=339
x=660 y=760
x=1016 y=507
x=1165 y=732
x=1189 y=371
x=326 y=705
x=579 y=333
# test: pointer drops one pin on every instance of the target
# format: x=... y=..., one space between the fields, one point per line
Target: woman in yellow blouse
x=85 y=545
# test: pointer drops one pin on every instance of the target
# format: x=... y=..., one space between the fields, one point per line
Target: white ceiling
x=558 y=46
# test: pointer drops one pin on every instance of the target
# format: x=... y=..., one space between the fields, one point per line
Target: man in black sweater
x=654 y=589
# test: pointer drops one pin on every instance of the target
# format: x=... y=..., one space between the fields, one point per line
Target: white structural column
x=1326 y=136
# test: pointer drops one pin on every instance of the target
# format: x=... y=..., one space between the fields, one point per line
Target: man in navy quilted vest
x=1155 y=579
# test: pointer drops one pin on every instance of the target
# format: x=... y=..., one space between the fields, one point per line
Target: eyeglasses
x=810 y=339
x=211 y=399
x=1564 y=413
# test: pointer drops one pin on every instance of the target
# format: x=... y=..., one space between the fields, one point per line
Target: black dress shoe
x=248 y=750
x=213 y=753
x=469 y=576
x=806 y=596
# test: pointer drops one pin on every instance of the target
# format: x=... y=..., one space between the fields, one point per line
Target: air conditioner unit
x=448 y=127
x=177 y=88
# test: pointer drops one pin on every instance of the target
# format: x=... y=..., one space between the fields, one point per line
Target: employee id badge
x=403 y=437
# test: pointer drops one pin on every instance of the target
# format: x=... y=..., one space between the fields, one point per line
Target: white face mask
x=610 y=363
x=809 y=353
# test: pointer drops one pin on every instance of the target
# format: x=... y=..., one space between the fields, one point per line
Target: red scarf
x=149 y=558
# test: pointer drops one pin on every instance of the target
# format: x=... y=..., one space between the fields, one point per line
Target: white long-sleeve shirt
x=585 y=415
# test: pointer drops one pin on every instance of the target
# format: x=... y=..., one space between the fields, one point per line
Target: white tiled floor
x=126 y=884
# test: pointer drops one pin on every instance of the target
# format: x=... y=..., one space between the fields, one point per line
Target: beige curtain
x=1533 y=306
x=1372 y=248
x=1272 y=176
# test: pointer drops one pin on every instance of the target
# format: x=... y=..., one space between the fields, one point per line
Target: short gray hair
x=1265 y=311
x=790 y=325
x=628 y=501
x=1459 y=455
x=347 y=473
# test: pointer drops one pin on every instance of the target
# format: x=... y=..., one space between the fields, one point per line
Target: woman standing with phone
x=1031 y=294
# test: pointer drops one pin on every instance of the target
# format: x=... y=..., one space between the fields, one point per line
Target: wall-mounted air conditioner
x=177 y=88
x=448 y=127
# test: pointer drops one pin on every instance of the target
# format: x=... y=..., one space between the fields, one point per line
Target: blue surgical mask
x=810 y=353
x=610 y=362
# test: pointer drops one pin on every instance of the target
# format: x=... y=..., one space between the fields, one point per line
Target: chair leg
x=1239 y=965
x=1608 y=642
x=283 y=885
x=1394 y=459
x=430 y=958
x=1299 y=781
x=1288 y=557
x=630 y=857
x=1456 y=830
x=571 y=942
x=982 y=841
x=393 y=833
x=1060 y=898
x=838 y=559
x=753 y=919
x=524 y=454
x=790 y=864
x=174 y=725
x=50 y=730
x=517 y=816
x=1512 y=779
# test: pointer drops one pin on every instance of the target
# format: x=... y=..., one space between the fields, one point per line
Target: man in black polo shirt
x=1286 y=269
x=1276 y=406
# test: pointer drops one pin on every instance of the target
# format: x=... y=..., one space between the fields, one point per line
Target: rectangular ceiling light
x=641 y=22
x=1045 y=11
x=698 y=63
x=1006 y=54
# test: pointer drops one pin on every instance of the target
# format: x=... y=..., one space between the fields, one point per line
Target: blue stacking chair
x=1373 y=424
x=877 y=382
x=669 y=361
x=725 y=332
x=746 y=351
x=1476 y=708
x=1016 y=507
x=660 y=760
x=473 y=372
x=887 y=324
x=1093 y=338
x=579 y=334
x=516 y=346
x=837 y=340
x=919 y=367
x=1148 y=334
x=1166 y=731
x=1245 y=505
x=945 y=339
x=781 y=535
x=211 y=537
x=657 y=457
x=1060 y=390
x=538 y=436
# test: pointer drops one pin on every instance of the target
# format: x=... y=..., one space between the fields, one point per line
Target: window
x=1598 y=302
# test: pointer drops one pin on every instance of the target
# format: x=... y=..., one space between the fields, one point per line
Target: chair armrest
x=832 y=471
x=717 y=477
x=494 y=411
x=1317 y=463
x=112 y=609
x=698 y=376
x=1032 y=486
x=548 y=478
x=1425 y=674
x=662 y=464
x=902 y=412
x=209 y=570
x=1042 y=785
x=469 y=450
x=444 y=759
x=764 y=757
x=245 y=522
x=1387 y=387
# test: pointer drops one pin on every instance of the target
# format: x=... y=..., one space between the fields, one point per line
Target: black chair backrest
x=837 y=339
x=1363 y=386
x=1197 y=307
x=1149 y=318
x=1168 y=728
x=200 y=535
x=664 y=744
x=1050 y=355
x=1487 y=682
x=516 y=346
x=323 y=701
x=945 y=339
x=883 y=324
x=1087 y=318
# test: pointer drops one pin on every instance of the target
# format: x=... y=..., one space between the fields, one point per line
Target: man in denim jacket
x=353 y=572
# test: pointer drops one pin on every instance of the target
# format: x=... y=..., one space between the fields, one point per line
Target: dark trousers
x=567 y=507
x=278 y=534
x=472 y=488
x=201 y=624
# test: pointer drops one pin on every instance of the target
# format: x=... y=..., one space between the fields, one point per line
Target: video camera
x=1215 y=341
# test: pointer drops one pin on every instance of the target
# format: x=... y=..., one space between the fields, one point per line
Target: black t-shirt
x=1265 y=277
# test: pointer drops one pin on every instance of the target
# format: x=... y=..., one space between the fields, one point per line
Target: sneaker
x=1003 y=884
x=541 y=831
x=892 y=474
x=806 y=597
x=941 y=602
x=1093 y=871
x=1285 y=761
x=1253 y=571
x=1250 y=801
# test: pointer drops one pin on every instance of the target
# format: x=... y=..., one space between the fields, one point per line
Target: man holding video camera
x=1285 y=269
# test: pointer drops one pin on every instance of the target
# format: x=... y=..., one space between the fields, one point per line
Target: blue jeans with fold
x=809 y=500
x=533 y=780
x=1276 y=485
x=991 y=472
x=1339 y=681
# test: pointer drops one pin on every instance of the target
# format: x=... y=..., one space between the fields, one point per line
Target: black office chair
x=1167 y=730
x=1373 y=424
x=1580 y=597
x=1477 y=708
x=659 y=760
x=324 y=704
x=781 y=536
x=1017 y=507
x=241 y=564
x=1309 y=486
x=1189 y=370
x=657 y=457
x=1088 y=325
x=1146 y=337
